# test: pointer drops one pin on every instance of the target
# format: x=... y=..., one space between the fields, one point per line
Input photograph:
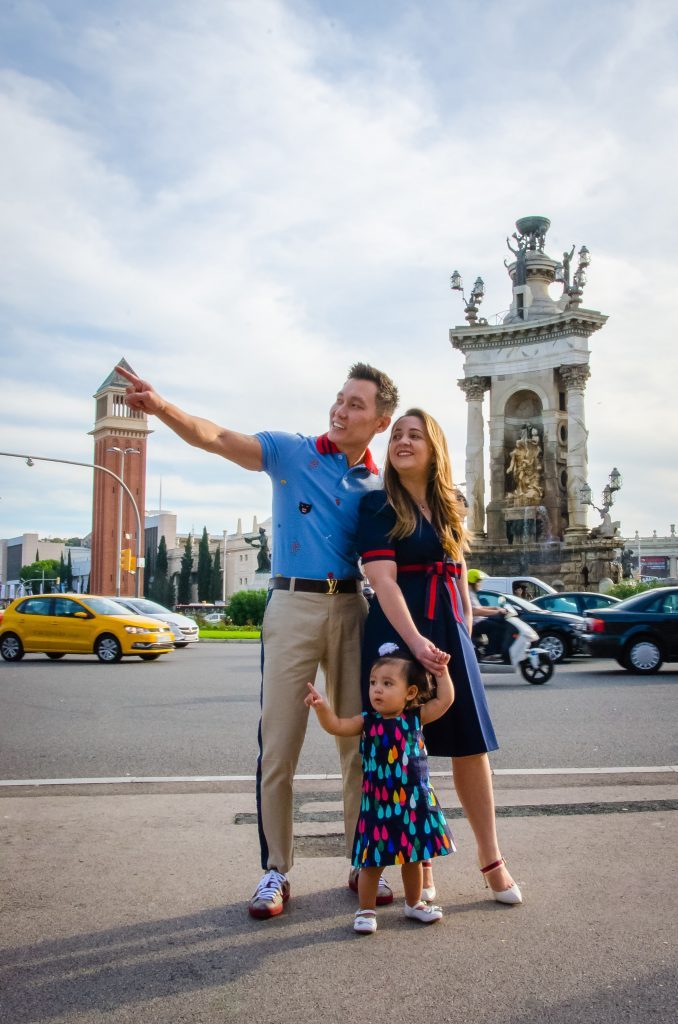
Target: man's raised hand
x=140 y=394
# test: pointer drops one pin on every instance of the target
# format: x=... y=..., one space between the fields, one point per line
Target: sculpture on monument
x=263 y=554
x=526 y=468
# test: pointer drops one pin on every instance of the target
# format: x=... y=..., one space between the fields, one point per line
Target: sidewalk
x=129 y=906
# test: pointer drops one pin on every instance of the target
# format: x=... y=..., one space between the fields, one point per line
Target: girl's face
x=409 y=449
x=389 y=690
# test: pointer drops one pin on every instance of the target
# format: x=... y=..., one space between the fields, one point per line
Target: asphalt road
x=126 y=904
x=195 y=712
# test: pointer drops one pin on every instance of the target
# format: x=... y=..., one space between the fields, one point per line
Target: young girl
x=400 y=819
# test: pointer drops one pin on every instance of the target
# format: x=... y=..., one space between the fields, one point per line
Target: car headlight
x=141 y=629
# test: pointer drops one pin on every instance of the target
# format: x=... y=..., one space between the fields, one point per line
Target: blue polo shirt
x=315 y=505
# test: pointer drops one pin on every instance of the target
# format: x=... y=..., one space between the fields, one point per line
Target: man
x=489 y=619
x=315 y=610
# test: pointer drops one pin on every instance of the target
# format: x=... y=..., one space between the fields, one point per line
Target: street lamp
x=609 y=490
x=118 y=567
x=32 y=459
x=476 y=297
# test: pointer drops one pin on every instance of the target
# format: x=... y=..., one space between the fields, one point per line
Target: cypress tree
x=69 y=573
x=147 y=574
x=184 y=589
x=216 y=591
x=204 y=567
x=162 y=589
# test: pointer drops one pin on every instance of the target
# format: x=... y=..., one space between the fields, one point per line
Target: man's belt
x=327 y=586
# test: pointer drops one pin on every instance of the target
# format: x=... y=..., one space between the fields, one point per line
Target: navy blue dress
x=428 y=580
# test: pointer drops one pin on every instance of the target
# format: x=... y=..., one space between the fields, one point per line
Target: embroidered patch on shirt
x=305 y=507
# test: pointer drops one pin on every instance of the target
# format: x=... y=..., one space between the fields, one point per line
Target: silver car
x=184 y=630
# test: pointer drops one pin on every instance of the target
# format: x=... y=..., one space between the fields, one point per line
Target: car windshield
x=148 y=607
x=104 y=606
x=636 y=601
x=521 y=603
x=646 y=601
x=558 y=604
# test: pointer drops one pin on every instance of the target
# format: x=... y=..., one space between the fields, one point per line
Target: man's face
x=353 y=417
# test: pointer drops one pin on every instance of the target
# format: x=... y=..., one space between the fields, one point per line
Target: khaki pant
x=301 y=632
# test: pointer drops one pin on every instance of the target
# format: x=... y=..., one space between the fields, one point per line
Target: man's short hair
x=387 y=392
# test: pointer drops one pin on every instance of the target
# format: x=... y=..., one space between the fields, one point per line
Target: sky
x=244 y=197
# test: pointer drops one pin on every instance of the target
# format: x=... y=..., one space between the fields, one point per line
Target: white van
x=510 y=584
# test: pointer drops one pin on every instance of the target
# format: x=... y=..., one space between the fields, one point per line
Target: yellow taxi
x=59 y=624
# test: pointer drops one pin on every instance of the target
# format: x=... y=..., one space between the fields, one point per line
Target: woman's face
x=409 y=449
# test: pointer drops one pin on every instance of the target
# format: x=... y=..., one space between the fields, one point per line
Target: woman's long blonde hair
x=441 y=494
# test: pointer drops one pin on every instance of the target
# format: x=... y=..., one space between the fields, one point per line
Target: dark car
x=560 y=633
x=574 y=601
x=640 y=633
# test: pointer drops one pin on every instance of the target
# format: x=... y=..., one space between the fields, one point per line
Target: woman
x=411 y=540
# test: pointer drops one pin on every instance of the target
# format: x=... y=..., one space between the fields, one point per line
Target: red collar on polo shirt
x=327 y=447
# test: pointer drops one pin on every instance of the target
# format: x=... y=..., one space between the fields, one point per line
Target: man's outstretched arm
x=243 y=449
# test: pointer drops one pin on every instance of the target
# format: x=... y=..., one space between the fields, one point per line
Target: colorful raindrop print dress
x=400 y=818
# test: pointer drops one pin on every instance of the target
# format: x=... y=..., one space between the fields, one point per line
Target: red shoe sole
x=263 y=915
x=382 y=901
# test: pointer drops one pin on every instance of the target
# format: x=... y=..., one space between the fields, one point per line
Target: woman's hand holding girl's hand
x=430 y=656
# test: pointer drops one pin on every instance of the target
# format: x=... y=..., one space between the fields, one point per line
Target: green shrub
x=628 y=588
x=246 y=607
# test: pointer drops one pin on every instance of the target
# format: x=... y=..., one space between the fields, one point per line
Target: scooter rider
x=489 y=620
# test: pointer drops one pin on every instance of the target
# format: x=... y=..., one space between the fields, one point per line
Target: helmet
x=476 y=575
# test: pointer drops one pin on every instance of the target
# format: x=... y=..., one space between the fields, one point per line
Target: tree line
x=159 y=587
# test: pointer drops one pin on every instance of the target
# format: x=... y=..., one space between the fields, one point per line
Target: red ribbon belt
x=444 y=572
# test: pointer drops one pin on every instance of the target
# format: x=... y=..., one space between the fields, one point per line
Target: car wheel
x=643 y=656
x=108 y=649
x=54 y=656
x=556 y=645
x=180 y=645
x=149 y=657
x=11 y=647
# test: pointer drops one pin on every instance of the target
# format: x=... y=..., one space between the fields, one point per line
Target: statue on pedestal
x=263 y=554
x=526 y=468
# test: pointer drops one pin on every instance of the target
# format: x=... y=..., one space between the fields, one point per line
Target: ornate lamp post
x=609 y=490
x=476 y=297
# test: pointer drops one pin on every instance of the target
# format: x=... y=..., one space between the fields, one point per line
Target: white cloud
x=244 y=198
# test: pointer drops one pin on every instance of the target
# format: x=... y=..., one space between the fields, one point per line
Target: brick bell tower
x=120 y=435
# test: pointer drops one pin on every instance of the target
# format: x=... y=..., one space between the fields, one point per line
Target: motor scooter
x=533 y=662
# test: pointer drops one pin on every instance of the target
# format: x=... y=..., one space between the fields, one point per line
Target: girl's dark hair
x=415 y=675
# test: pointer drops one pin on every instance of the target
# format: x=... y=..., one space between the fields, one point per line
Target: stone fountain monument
x=534 y=365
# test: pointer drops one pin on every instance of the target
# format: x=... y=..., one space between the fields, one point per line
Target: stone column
x=474 y=388
x=574 y=379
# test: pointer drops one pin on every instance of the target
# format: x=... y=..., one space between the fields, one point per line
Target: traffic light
x=126 y=560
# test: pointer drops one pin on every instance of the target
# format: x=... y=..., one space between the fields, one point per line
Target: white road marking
x=140 y=780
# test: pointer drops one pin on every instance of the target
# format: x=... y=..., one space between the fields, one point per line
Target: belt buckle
x=331 y=585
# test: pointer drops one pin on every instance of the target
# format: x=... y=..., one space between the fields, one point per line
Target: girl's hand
x=430 y=656
x=313 y=699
